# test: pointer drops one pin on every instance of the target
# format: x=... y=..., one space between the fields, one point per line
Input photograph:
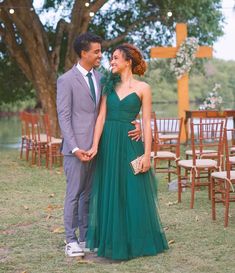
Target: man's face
x=93 y=56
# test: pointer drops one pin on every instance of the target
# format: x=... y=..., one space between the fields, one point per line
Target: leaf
x=51 y=207
x=58 y=230
x=171 y=242
x=49 y=216
x=172 y=203
x=80 y=260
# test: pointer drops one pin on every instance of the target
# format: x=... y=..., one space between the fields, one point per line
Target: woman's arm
x=146 y=117
x=98 y=128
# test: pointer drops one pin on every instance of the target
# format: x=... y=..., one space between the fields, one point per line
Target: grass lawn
x=32 y=235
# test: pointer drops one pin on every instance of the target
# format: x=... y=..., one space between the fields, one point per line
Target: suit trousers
x=78 y=188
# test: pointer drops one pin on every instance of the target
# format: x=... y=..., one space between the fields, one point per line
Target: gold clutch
x=135 y=165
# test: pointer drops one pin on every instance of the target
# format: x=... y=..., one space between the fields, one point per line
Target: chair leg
x=209 y=185
x=226 y=203
x=169 y=171
x=22 y=147
x=213 y=198
x=192 y=189
x=179 y=184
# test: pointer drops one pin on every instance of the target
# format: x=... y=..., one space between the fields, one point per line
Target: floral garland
x=213 y=101
x=184 y=57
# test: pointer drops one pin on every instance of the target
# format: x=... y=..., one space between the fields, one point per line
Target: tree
x=41 y=51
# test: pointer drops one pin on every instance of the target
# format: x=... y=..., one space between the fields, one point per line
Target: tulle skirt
x=123 y=217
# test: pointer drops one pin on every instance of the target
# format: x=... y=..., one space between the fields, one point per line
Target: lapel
x=78 y=75
x=98 y=78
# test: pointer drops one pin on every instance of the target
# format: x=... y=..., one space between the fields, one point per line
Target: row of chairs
x=36 y=138
x=208 y=161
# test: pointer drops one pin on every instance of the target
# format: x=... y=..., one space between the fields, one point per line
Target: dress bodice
x=125 y=109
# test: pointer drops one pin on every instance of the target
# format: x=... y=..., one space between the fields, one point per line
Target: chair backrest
x=168 y=137
x=169 y=125
x=22 y=116
x=206 y=136
x=33 y=127
x=47 y=126
x=229 y=138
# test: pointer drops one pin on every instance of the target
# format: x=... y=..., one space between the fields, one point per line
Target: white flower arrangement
x=213 y=101
x=185 y=56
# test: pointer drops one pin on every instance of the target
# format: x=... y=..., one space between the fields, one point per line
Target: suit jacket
x=77 y=111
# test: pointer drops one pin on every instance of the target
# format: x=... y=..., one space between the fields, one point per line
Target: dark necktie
x=92 y=87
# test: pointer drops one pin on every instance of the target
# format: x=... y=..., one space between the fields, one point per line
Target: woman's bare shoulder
x=143 y=85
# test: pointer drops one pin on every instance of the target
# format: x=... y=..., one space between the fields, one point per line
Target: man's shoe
x=82 y=245
x=73 y=250
x=85 y=249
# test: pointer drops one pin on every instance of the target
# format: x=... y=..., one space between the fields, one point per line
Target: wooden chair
x=53 y=145
x=23 y=120
x=166 y=144
x=37 y=141
x=207 y=153
x=223 y=182
x=202 y=135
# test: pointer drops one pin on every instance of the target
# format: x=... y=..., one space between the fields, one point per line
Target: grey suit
x=77 y=115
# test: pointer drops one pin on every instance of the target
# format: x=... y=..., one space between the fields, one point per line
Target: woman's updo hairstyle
x=132 y=53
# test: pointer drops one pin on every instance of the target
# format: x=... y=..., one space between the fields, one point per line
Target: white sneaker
x=86 y=249
x=82 y=245
x=73 y=250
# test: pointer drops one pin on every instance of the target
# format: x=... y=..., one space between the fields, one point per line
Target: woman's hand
x=92 y=152
x=145 y=163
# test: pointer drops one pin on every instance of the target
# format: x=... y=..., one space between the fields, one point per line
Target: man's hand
x=136 y=133
x=82 y=155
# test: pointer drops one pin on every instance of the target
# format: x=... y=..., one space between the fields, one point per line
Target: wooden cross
x=170 y=52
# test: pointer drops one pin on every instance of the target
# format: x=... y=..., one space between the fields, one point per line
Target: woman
x=123 y=220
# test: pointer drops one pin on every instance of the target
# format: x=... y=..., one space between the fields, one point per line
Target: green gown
x=123 y=217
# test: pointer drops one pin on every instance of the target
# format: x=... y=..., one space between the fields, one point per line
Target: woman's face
x=118 y=62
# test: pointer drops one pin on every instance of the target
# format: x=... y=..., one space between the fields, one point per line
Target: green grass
x=31 y=208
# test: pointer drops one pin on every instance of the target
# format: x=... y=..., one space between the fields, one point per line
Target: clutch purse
x=135 y=165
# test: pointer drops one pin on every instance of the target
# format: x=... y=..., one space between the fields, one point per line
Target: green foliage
x=13 y=84
x=202 y=79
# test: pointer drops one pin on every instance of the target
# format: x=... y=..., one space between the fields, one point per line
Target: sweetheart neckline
x=126 y=96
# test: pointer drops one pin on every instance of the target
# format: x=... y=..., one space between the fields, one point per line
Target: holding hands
x=86 y=156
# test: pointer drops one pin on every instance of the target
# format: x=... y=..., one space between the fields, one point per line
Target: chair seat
x=55 y=140
x=200 y=163
x=232 y=149
x=164 y=154
x=206 y=152
x=168 y=136
x=223 y=175
x=232 y=159
x=43 y=138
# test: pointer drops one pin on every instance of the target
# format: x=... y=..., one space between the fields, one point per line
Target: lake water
x=10 y=133
x=10 y=127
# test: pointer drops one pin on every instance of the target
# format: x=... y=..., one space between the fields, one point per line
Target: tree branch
x=131 y=27
x=97 y=5
x=16 y=51
x=62 y=27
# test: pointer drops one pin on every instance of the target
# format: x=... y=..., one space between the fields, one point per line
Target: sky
x=224 y=48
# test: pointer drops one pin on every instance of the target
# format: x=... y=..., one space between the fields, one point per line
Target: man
x=78 y=97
